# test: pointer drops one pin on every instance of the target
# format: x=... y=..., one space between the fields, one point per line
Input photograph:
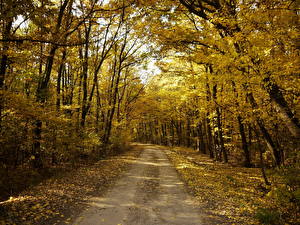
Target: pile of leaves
x=57 y=199
x=238 y=194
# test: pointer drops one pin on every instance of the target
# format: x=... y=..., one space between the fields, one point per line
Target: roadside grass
x=222 y=190
x=57 y=199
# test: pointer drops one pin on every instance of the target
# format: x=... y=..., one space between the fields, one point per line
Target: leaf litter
x=57 y=199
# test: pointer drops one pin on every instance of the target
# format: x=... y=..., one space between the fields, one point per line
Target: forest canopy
x=83 y=78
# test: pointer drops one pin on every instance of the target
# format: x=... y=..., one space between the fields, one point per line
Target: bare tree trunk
x=245 y=146
x=97 y=109
x=247 y=162
x=262 y=164
x=188 y=133
x=58 y=83
x=84 y=109
x=3 y=64
x=210 y=143
x=172 y=132
x=267 y=137
x=220 y=134
x=200 y=134
x=282 y=108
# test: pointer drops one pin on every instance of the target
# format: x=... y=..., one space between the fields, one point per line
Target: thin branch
x=22 y=40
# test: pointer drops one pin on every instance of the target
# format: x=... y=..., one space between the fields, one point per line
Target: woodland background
x=78 y=83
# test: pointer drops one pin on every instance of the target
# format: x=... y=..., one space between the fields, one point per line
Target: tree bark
x=262 y=164
x=3 y=64
x=209 y=138
x=220 y=148
x=247 y=162
x=282 y=108
x=188 y=133
x=267 y=137
x=202 y=145
x=220 y=134
x=58 y=83
x=84 y=109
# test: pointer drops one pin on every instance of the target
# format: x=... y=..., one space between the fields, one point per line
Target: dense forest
x=80 y=79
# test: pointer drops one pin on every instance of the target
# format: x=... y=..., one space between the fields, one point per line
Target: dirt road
x=150 y=193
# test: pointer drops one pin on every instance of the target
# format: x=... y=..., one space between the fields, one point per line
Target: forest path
x=150 y=193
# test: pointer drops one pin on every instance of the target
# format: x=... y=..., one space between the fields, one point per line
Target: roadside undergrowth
x=55 y=200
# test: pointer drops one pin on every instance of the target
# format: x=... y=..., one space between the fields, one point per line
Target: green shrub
x=268 y=217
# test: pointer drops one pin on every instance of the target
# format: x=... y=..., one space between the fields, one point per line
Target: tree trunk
x=58 y=83
x=84 y=109
x=245 y=146
x=247 y=162
x=3 y=65
x=220 y=148
x=188 y=133
x=200 y=134
x=209 y=138
x=262 y=164
x=220 y=134
x=282 y=108
x=267 y=137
